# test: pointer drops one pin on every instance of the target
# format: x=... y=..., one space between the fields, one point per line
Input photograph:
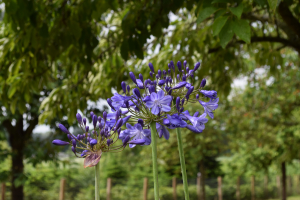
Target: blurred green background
x=60 y=57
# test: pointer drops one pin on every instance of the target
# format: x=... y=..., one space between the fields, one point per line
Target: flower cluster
x=106 y=131
x=161 y=99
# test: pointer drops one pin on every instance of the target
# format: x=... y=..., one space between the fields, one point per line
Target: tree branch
x=261 y=39
x=289 y=18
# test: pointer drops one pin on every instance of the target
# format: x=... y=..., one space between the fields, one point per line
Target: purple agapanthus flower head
x=159 y=102
x=136 y=132
x=118 y=100
x=210 y=106
x=101 y=139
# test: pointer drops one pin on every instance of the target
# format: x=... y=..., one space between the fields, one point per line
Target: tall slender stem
x=154 y=159
x=182 y=162
x=97 y=181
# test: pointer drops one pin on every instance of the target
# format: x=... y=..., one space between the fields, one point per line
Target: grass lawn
x=290 y=198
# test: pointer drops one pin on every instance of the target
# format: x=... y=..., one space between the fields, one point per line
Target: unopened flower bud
x=172 y=65
x=123 y=85
x=128 y=88
x=151 y=74
x=60 y=142
x=136 y=92
x=95 y=118
x=197 y=65
x=92 y=114
x=190 y=90
x=74 y=143
x=197 y=96
x=141 y=77
x=178 y=77
x=84 y=121
x=179 y=65
x=132 y=76
x=159 y=73
x=79 y=118
x=63 y=129
x=203 y=83
x=184 y=63
x=87 y=129
x=187 y=69
x=161 y=82
x=69 y=137
x=183 y=77
x=93 y=142
x=119 y=123
x=74 y=149
x=151 y=67
x=104 y=115
x=99 y=119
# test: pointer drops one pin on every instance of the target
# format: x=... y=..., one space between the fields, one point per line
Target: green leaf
x=13 y=106
x=237 y=11
x=218 y=24
x=242 y=29
x=205 y=13
x=220 y=1
x=226 y=33
x=11 y=91
x=272 y=4
x=75 y=29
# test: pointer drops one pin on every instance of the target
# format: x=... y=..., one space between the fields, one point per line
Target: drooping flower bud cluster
x=161 y=99
x=106 y=131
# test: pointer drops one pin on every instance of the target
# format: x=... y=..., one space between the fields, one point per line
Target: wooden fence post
x=278 y=183
x=174 y=188
x=238 y=183
x=108 y=188
x=266 y=192
x=296 y=185
x=62 y=189
x=252 y=188
x=199 y=186
x=145 y=188
x=3 y=191
x=220 y=187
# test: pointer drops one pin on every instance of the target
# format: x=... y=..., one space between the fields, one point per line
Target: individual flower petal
x=210 y=106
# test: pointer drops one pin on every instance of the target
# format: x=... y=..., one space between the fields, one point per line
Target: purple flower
x=203 y=83
x=136 y=132
x=210 y=106
x=151 y=67
x=139 y=83
x=197 y=122
x=132 y=76
x=123 y=85
x=93 y=142
x=162 y=131
x=118 y=100
x=174 y=121
x=64 y=129
x=158 y=102
x=79 y=118
x=209 y=93
x=60 y=142
x=179 y=85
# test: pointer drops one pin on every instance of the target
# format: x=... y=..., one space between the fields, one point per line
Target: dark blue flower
x=162 y=131
x=203 y=83
x=79 y=118
x=118 y=100
x=179 y=85
x=174 y=121
x=210 y=106
x=136 y=132
x=209 y=93
x=197 y=122
x=158 y=102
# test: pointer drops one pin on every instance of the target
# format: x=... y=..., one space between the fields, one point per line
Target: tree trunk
x=283 y=171
x=202 y=171
x=17 y=139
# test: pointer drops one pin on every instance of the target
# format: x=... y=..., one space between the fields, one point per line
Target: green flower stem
x=154 y=159
x=182 y=162
x=97 y=181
